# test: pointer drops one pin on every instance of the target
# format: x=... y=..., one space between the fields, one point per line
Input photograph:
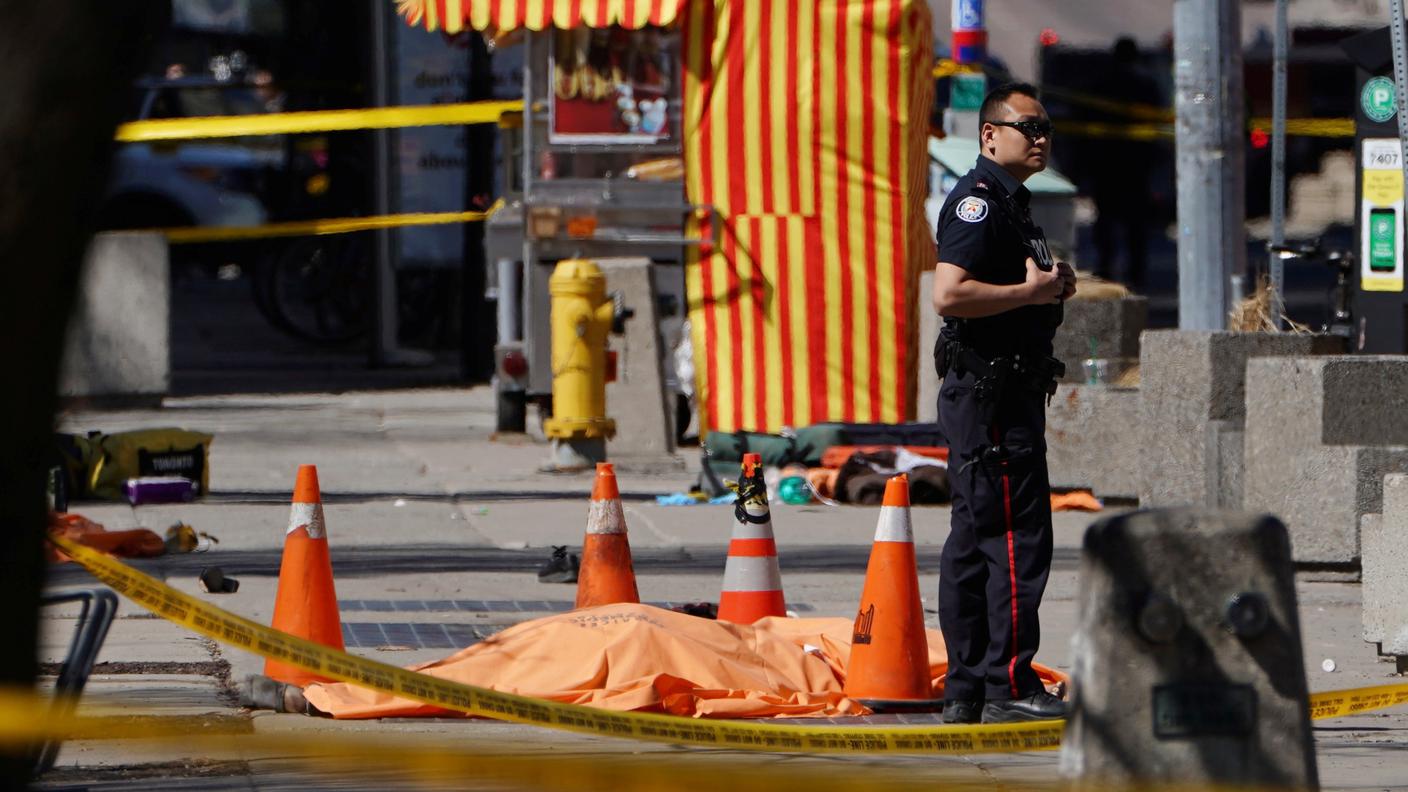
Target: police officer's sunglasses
x=1032 y=130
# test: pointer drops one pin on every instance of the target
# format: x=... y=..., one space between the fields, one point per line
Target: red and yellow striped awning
x=806 y=125
x=505 y=15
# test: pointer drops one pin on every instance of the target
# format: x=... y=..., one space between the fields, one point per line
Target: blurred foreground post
x=66 y=70
x=1186 y=662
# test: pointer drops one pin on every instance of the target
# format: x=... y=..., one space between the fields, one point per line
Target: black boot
x=1041 y=706
x=961 y=711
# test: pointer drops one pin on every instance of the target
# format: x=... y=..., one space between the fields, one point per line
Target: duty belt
x=993 y=376
x=1032 y=372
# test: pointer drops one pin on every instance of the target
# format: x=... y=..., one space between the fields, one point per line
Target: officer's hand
x=1043 y=286
x=1068 y=277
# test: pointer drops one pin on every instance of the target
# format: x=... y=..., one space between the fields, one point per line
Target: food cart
x=769 y=156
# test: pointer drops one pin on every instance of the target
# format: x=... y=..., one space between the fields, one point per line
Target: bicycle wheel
x=318 y=289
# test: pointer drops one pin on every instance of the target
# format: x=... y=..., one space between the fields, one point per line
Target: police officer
x=1000 y=294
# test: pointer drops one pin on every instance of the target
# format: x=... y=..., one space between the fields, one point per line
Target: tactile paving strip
x=415 y=635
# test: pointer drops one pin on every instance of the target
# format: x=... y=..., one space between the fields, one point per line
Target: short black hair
x=997 y=97
x=1126 y=50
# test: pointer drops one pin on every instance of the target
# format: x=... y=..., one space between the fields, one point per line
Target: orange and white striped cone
x=752 y=580
x=306 y=604
x=606 y=575
x=889 y=665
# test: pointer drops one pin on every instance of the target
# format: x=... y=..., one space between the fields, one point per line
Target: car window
x=195 y=101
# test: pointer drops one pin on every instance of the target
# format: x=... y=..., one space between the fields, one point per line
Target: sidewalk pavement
x=436 y=530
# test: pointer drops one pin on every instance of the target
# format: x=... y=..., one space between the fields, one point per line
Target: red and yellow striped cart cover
x=805 y=125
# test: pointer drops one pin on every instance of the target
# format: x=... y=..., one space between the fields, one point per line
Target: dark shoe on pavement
x=963 y=711
x=1041 y=706
x=561 y=568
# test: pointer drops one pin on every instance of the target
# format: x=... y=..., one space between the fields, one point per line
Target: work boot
x=260 y=692
x=1037 y=707
x=963 y=711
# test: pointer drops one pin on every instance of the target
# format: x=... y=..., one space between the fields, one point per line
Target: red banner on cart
x=806 y=125
x=455 y=15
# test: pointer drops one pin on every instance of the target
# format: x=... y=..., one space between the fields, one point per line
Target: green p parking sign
x=1378 y=99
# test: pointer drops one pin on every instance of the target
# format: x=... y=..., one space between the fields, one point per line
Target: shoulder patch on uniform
x=972 y=209
x=981 y=185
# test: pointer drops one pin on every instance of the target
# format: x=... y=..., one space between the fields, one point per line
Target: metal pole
x=1211 y=184
x=1400 y=77
x=383 y=346
x=508 y=301
x=1278 y=162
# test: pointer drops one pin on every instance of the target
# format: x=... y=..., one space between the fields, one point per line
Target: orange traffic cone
x=306 y=605
x=752 y=580
x=606 y=574
x=889 y=665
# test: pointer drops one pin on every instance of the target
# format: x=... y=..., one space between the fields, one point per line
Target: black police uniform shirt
x=985 y=227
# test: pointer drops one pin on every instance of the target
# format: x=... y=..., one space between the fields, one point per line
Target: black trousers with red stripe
x=994 y=565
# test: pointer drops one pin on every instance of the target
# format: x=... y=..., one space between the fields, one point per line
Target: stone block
x=1321 y=469
x=927 y=408
x=1114 y=325
x=1374 y=589
x=1090 y=439
x=1384 y=548
x=1187 y=658
x=1224 y=458
x=119 y=339
x=637 y=400
x=1187 y=380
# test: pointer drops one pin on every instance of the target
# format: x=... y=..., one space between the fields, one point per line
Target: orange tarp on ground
x=636 y=657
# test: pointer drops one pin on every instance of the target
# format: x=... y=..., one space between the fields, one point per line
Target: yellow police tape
x=1158 y=119
x=28 y=719
x=1339 y=703
x=1295 y=127
x=1310 y=127
x=336 y=225
x=243 y=633
x=315 y=121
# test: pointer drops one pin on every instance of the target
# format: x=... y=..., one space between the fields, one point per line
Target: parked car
x=216 y=182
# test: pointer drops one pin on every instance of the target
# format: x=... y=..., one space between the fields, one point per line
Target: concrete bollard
x=1114 y=325
x=1088 y=439
x=644 y=412
x=1384 y=545
x=1192 y=410
x=1321 y=433
x=119 y=341
x=1187 y=654
x=927 y=406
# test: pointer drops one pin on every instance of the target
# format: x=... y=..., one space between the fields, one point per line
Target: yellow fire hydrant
x=582 y=316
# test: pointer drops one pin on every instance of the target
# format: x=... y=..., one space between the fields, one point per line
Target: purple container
x=159 y=489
